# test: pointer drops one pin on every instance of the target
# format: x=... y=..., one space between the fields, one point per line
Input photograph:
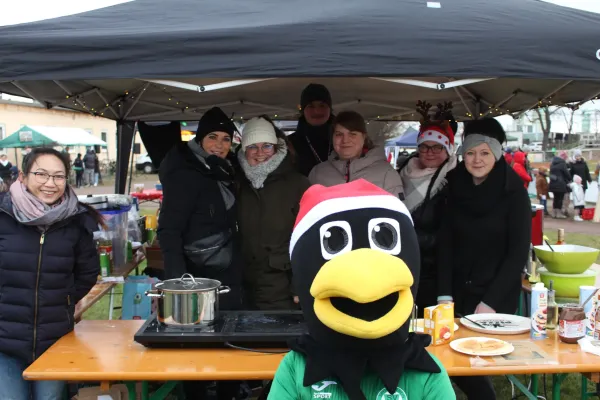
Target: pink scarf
x=29 y=210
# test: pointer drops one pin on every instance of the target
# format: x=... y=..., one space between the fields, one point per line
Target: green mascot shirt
x=413 y=385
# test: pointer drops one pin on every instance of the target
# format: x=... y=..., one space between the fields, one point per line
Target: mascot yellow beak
x=363 y=276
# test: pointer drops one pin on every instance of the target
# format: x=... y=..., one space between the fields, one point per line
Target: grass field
x=570 y=388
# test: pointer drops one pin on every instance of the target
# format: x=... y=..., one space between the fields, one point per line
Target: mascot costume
x=355 y=260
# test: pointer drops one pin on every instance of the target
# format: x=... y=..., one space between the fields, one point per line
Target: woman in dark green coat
x=268 y=200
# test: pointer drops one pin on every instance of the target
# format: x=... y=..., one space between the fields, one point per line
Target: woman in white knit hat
x=268 y=199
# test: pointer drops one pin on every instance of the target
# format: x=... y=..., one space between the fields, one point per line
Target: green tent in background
x=39 y=136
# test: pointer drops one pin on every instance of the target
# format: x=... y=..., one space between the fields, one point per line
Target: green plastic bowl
x=566 y=258
x=568 y=285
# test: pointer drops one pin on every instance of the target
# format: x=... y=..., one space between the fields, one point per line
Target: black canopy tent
x=149 y=60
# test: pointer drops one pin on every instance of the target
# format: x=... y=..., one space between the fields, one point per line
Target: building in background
x=17 y=111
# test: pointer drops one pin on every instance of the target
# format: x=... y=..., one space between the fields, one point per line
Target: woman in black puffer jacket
x=48 y=262
x=559 y=180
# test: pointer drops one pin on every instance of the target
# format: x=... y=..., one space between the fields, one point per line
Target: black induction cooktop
x=247 y=329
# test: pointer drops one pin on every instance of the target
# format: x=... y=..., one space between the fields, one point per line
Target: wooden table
x=100 y=289
x=104 y=351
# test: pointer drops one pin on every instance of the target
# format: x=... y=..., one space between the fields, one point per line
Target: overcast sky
x=23 y=11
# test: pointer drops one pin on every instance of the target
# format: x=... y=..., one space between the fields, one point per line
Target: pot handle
x=154 y=293
x=223 y=289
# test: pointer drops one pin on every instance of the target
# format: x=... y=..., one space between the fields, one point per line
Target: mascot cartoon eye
x=336 y=239
x=384 y=235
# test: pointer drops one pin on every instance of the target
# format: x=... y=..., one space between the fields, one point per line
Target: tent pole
x=125 y=131
x=131 y=163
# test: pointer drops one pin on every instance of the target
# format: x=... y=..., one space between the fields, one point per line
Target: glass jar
x=571 y=323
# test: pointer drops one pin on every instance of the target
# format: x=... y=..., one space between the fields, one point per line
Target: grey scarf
x=29 y=210
x=258 y=174
x=202 y=155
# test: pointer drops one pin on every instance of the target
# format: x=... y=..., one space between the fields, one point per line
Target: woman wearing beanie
x=197 y=226
x=355 y=157
x=560 y=177
x=312 y=139
x=484 y=240
x=424 y=180
x=268 y=199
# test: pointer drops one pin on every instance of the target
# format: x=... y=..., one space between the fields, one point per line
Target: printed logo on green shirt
x=319 y=390
x=385 y=395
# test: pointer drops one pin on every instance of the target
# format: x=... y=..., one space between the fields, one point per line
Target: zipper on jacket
x=37 y=284
x=347 y=171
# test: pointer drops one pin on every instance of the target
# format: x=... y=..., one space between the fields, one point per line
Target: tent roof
x=35 y=136
x=231 y=38
x=124 y=63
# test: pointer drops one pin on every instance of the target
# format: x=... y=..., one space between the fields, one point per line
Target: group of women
x=473 y=218
x=229 y=216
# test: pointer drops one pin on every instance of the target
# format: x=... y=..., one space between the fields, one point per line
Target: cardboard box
x=116 y=392
x=439 y=323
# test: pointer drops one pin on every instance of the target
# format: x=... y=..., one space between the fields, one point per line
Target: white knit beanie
x=258 y=130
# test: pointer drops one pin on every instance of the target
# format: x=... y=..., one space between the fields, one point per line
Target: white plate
x=498 y=324
x=506 y=348
x=421 y=326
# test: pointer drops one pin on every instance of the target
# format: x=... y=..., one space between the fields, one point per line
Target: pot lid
x=187 y=283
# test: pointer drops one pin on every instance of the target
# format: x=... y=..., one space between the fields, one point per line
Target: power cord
x=256 y=350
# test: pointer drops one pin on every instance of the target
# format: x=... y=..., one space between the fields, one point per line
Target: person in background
x=355 y=157
x=5 y=169
x=597 y=172
x=519 y=165
x=312 y=139
x=580 y=167
x=78 y=168
x=89 y=165
x=197 y=226
x=559 y=180
x=269 y=195
x=424 y=181
x=578 y=197
x=97 y=174
x=541 y=188
x=508 y=156
x=484 y=240
x=48 y=263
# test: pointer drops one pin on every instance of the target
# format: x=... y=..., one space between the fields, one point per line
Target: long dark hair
x=35 y=153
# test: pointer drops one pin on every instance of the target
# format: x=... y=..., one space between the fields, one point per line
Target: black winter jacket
x=308 y=140
x=559 y=176
x=193 y=208
x=427 y=219
x=42 y=277
x=581 y=169
x=5 y=173
x=484 y=240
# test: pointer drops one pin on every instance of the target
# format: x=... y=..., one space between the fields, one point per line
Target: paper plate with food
x=420 y=326
x=482 y=346
x=498 y=324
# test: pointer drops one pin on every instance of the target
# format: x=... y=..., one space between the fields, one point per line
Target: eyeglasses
x=435 y=149
x=42 y=177
x=266 y=148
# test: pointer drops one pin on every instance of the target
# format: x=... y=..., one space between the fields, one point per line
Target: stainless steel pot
x=188 y=300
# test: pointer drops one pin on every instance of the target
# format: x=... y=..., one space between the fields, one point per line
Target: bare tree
x=568 y=115
x=543 y=116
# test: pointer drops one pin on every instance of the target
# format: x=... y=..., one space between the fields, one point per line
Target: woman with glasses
x=48 y=263
x=424 y=180
x=355 y=157
x=268 y=200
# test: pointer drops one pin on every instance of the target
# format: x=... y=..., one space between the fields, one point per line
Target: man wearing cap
x=312 y=139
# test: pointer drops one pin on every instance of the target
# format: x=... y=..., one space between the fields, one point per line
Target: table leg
x=556 y=381
x=131 y=390
x=164 y=390
x=522 y=387
x=145 y=395
x=110 y=302
x=535 y=380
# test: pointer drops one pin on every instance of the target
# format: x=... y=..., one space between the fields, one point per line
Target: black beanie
x=315 y=92
x=212 y=121
x=486 y=126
